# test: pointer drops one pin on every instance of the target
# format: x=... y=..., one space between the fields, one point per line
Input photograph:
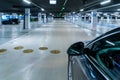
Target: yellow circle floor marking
x=18 y=47
x=3 y=50
x=28 y=51
x=55 y=51
x=43 y=48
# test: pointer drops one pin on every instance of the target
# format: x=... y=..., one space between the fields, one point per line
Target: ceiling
x=18 y=6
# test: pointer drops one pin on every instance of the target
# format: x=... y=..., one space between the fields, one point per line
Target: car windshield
x=107 y=53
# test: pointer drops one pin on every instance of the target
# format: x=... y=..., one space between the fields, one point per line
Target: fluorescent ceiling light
x=28 y=2
x=81 y=10
x=73 y=12
x=53 y=1
x=118 y=9
x=42 y=9
x=105 y=2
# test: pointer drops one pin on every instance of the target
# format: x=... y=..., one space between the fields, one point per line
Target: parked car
x=97 y=60
x=11 y=21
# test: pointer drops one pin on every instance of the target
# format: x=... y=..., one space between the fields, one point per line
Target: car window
x=106 y=52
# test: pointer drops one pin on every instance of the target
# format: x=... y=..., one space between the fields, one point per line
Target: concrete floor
x=9 y=32
x=41 y=64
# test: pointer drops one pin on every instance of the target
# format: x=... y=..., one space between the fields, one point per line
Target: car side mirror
x=76 y=49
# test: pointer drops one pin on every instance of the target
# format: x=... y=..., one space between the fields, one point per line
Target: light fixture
x=73 y=12
x=81 y=10
x=50 y=13
x=105 y=2
x=52 y=1
x=26 y=1
x=42 y=9
x=63 y=8
x=118 y=9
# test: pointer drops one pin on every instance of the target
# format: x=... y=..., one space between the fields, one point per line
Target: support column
x=70 y=18
x=89 y=19
x=27 y=19
x=0 y=19
x=102 y=20
x=84 y=18
x=45 y=20
x=94 y=20
x=108 y=19
x=116 y=19
x=73 y=18
x=39 y=18
x=80 y=17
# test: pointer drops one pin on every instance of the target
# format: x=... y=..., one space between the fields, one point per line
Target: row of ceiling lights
x=53 y=2
x=102 y=3
x=29 y=2
x=50 y=1
x=63 y=7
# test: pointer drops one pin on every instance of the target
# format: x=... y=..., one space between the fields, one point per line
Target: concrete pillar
x=65 y=17
x=45 y=18
x=102 y=20
x=27 y=19
x=84 y=18
x=80 y=19
x=116 y=19
x=0 y=18
x=108 y=19
x=94 y=20
x=39 y=18
x=73 y=18
x=52 y=17
x=89 y=19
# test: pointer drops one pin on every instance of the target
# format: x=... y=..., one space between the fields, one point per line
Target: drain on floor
x=43 y=48
x=55 y=51
x=3 y=50
x=18 y=47
x=28 y=51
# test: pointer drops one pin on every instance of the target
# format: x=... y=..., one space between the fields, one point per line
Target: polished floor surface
x=29 y=62
x=9 y=32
